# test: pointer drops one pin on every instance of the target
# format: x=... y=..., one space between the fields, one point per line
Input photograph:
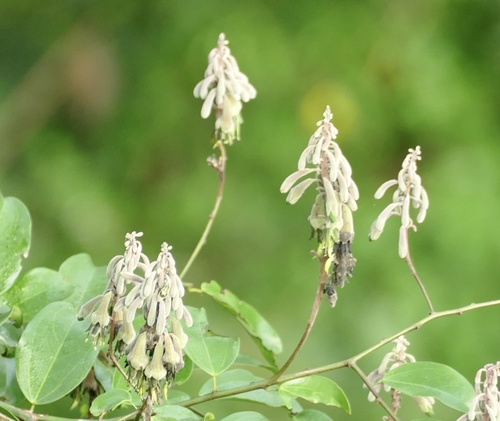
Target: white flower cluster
x=224 y=88
x=409 y=192
x=486 y=404
x=395 y=358
x=155 y=353
x=324 y=165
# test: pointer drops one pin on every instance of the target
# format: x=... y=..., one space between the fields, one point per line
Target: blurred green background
x=100 y=135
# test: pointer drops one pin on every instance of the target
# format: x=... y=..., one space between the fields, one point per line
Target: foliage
x=89 y=170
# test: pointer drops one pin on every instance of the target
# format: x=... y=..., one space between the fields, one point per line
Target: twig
x=263 y=384
x=113 y=359
x=220 y=166
x=369 y=385
x=312 y=318
x=415 y=275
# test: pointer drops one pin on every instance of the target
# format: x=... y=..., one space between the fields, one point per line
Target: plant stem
x=220 y=166
x=113 y=358
x=409 y=261
x=312 y=318
x=369 y=385
x=350 y=362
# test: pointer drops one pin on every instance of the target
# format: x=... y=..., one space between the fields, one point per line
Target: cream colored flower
x=224 y=89
x=322 y=164
x=409 y=193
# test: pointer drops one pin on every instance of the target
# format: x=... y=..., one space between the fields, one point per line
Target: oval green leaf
x=35 y=290
x=15 y=237
x=245 y=416
x=87 y=280
x=53 y=355
x=174 y=413
x=311 y=415
x=108 y=401
x=432 y=379
x=229 y=380
x=213 y=354
x=317 y=389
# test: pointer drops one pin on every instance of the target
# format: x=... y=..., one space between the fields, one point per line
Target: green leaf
x=266 y=397
x=9 y=337
x=317 y=389
x=108 y=401
x=35 y=290
x=174 y=413
x=53 y=355
x=245 y=416
x=175 y=396
x=311 y=415
x=213 y=354
x=229 y=380
x=15 y=237
x=259 y=329
x=5 y=312
x=87 y=280
x=10 y=391
x=432 y=379
x=184 y=375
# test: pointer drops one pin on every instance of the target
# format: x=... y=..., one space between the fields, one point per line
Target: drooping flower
x=409 y=192
x=224 y=89
x=153 y=290
x=322 y=164
x=486 y=404
x=395 y=358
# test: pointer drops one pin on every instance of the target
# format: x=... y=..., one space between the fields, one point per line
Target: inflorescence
x=409 y=192
x=224 y=89
x=331 y=216
x=154 y=352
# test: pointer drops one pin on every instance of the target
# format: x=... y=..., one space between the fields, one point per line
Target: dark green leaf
x=259 y=329
x=432 y=379
x=53 y=355
x=87 y=280
x=15 y=237
x=174 y=413
x=35 y=290
x=311 y=415
x=104 y=374
x=108 y=401
x=245 y=416
x=317 y=389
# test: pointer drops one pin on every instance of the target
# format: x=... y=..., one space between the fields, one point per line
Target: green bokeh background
x=100 y=135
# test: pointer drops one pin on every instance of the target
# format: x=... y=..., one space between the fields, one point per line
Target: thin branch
x=369 y=385
x=312 y=318
x=415 y=275
x=219 y=164
x=263 y=384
